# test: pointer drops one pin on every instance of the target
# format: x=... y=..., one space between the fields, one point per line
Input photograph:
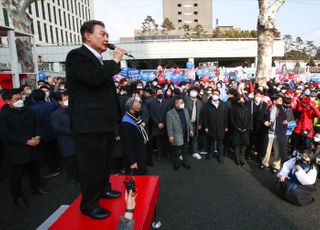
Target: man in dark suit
x=94 y=114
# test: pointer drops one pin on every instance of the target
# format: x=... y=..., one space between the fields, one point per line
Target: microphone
x=112 y=47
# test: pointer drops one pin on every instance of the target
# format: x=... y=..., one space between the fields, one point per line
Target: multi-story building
x=189 y=12
x=55 y=21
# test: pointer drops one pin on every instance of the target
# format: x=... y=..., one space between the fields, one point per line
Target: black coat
x=60 y=120
x=240 y=118
x=93 y=103
x=133 y=147
x=158 y=113
x=16 y=128
x=215 y=119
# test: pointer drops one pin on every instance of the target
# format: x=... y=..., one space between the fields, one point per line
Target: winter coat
x=158 y=112
x=175 y=129
x=215 y=119
x=16 y=128
x=240 y=117
x=305 y=120
x=60 y=120
x=189 y=106
x=43 y=111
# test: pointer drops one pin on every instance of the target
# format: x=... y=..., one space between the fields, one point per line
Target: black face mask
x=160 y=96
x=302 y=162
x=138 y=113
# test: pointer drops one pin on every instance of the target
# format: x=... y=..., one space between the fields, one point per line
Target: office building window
x=75 y=37
x=67 y=40
x=57 y=35
x=70 y=37
x=60 y=18
x=179 y=5
x=195 y=12
x=67 y=5
x=36 y=8
x=55 y=15
x=30 y=9
x=63 y=4
x=51 y=34
x=64 y=18
x=179 y=21
x=69 y=21
x=83 y=11
x=6 y=17
x=58 y=2
x=39 y=31
x=61 y=33
x=77 y=24
x=73 y=28
x=195 y=5
x=71 y=3
x=32 y=26
x=49 y=11
x=195 y=20
x=179 y=12
x=75 y=8
x=43 y=10
x=45 y=32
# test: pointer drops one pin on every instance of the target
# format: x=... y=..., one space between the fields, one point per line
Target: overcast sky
x=296 y=17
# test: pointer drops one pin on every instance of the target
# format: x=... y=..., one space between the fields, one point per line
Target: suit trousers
x=216 y=144
x=17 y=172
x=94 y=164
x=181 y=151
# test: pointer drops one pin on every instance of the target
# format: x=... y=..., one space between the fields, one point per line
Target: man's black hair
x=24 y=86
x=177 y=98
x=44 y=87
x=38 y=95
x=8 y=94
x=216 y=90
x=59 y=95
x=88 y=26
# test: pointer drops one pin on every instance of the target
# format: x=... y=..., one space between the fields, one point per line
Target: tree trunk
x=21 y=21
x=267 y=32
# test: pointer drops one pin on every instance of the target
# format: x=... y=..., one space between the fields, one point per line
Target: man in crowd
x=94 y=113
x=20 y=133
x=179 y=130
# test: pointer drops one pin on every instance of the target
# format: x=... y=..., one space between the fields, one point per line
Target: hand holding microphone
x=118 y=52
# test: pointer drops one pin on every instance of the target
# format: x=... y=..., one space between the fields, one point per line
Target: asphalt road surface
x=208 y=196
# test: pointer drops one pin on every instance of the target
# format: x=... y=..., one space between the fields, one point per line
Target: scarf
x=137 y=122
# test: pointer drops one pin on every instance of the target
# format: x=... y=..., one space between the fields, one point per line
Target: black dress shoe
x=176 y=166
x=40 y=191
x=21 y=203
x=210 y=156
x=186 y=166
x=112 y=194
x=97 y=213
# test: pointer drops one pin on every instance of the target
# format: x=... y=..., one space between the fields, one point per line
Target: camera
x=130 y=184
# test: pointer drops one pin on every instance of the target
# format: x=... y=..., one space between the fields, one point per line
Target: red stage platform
x=146 y=200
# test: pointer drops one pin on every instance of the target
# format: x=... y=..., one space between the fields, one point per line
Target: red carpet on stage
x=146 y=200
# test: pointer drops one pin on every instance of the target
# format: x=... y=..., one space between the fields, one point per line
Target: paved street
x=209 y=196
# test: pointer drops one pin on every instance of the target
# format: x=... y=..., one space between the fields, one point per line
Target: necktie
x=101 y=60
x=194 y=112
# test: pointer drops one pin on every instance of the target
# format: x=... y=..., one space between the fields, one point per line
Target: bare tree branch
x=274 y=8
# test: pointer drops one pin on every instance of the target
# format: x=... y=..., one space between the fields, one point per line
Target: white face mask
x=283 y=91
x=193 y=93
x=215 y=97
x=154 y=83
x=182 y=106
x=316 y=139
x=18 y=104
x=66 y=103
x=47 y=94
x=258 y=99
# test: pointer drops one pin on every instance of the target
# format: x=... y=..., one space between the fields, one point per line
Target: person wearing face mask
x=240 y=118
x=133 y=138
x=158 y=111
x=43 y=111
x=275 y=120
x=179 y=129
x=207 y=95
x=258 y=110
x=194 y=107
x=60 y=120
x=296 y=179
x=26 y=92
x=19 y=130
x=48 y=96
x=215 y=124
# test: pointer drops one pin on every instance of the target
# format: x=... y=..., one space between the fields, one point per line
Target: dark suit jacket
x=158 y=113
x=93 y=104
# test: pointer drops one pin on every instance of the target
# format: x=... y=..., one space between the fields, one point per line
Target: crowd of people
x=276 y=124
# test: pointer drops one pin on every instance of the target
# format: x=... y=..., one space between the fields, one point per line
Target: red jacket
x=305 y=122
